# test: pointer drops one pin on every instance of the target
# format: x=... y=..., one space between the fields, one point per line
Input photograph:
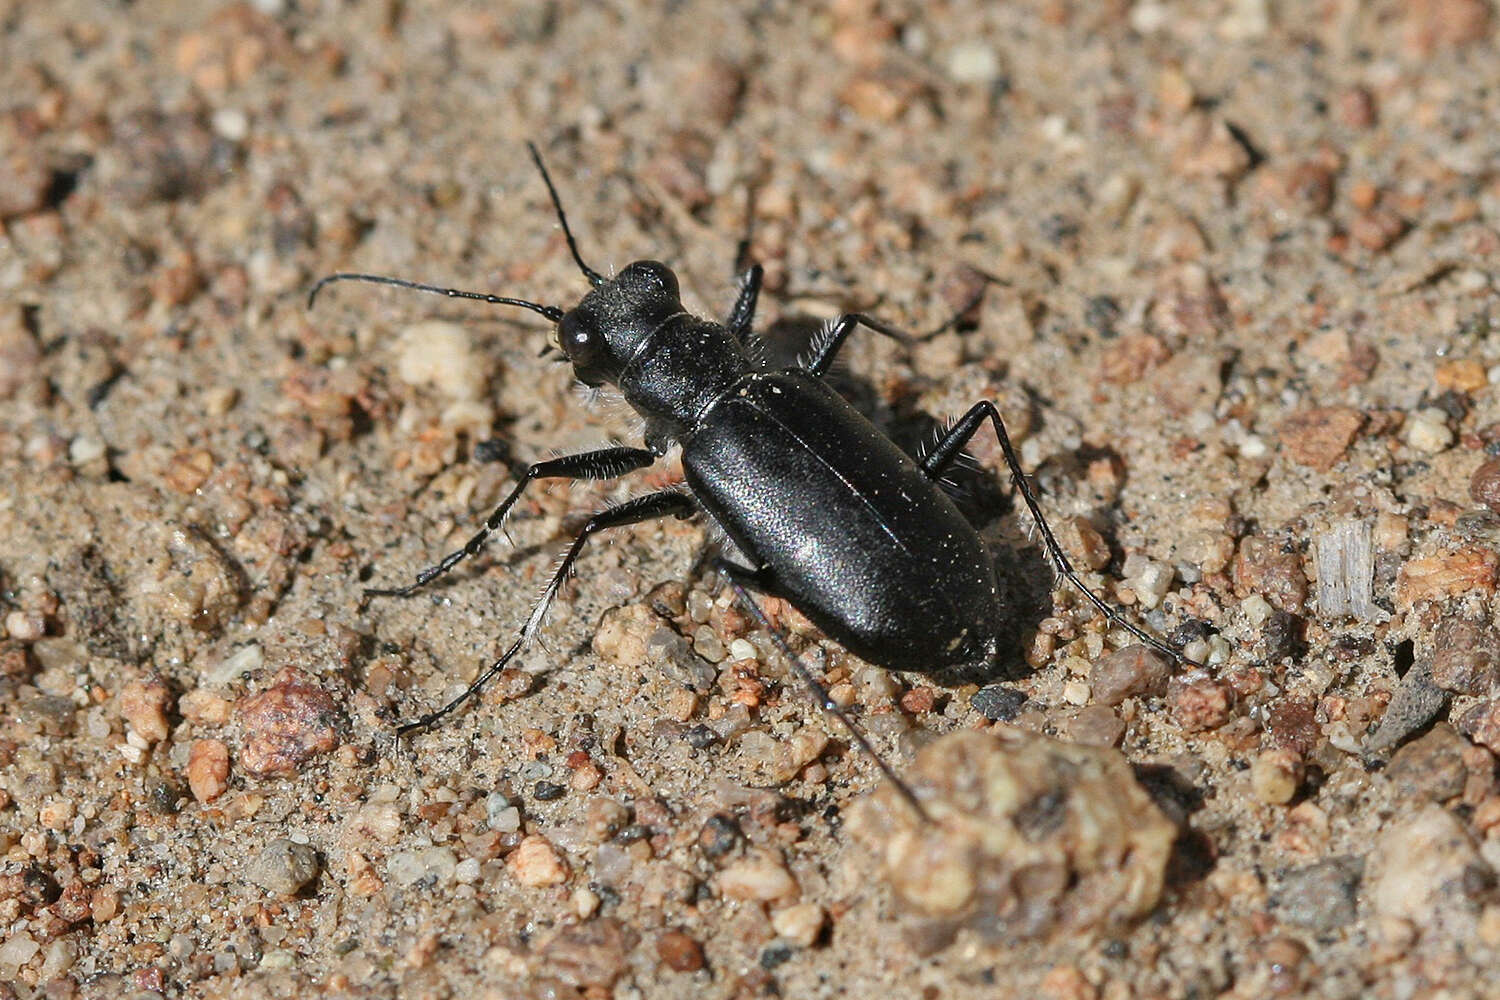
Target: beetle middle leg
x=652 y=506
x=947 y=450
x=838 y=332
x=606 y=463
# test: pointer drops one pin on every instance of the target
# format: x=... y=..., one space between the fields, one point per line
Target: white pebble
x=799 y=924
x=231 y=124
x=440 y=354
x=18 y=950
x=85 y=449
x=760 y=877
x=974 y=62
x=1256 y=609
x=1428 y=432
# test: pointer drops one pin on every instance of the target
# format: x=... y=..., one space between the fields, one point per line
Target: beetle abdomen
x=849 y=528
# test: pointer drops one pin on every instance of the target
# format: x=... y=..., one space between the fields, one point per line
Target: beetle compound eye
x=579 y=340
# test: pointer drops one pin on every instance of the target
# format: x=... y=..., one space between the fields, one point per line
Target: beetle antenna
x=595 y=278
x=551 y=312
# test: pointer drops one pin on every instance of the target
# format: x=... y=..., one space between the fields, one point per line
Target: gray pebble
x=1321 y=897
x=1416 y=702
x=284 y=867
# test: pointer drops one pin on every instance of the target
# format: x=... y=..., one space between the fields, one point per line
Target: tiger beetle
x=824 y=510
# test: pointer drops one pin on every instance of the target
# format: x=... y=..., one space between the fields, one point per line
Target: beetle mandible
x=826 y=511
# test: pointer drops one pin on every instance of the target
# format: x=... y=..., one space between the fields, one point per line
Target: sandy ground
x=1238 y=278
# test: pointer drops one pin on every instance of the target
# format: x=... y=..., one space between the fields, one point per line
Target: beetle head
x=603 y=332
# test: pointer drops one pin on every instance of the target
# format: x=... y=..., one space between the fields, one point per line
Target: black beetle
x=830 y=514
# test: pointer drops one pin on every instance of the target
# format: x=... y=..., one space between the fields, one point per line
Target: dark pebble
x=547 y=791
x=700 y=737
x=997 y=702
x=775 y=955
x=632 y=833
x=719 y=835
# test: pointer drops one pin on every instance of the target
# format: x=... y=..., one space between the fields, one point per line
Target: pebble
x=1200 y=702
x=1149 y=579
x=25 y=626
x=1093 y=726
x=1466 y=656
x=1264 y=567
x=144 y=707
x=759 y=877
x=1446 y=574
x=287 y=725
x=998 y=702
x=1319 y=437
x=1481 y=723
x=284 y=867
x=1430 y=767
x=621 y=636
x=1484 y=485
x=440 y=354
x=974 y=62
x=1322 y=897
x=799 y=924
x=17 y=661
x=1275 y=775
x=1132 y=672
x=535 y=862
x=589 y=956
x=1029 y=838
x=1426 y=869
x=17 y=950
x=707 y=644
x=1415 y=703
x=377 y=821
x=1427 y=431
x=208 y=769
x=434 y=864
x=679 y=952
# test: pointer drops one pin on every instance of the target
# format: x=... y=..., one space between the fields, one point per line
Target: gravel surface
x=1227 y=268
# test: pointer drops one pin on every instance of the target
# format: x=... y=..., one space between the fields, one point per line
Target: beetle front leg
x=952 y=444
x=743 y=314
x=606 y=463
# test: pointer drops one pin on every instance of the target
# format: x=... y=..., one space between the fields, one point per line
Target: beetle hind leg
x=946 y=452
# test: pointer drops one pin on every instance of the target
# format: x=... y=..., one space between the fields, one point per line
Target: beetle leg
x=666 y=503
x=838 y=331
x=606 y=463
x=742 y=581
x=743 y=313
x=947 y=450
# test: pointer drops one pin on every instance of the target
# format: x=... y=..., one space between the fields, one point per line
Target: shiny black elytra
x=828 y=512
